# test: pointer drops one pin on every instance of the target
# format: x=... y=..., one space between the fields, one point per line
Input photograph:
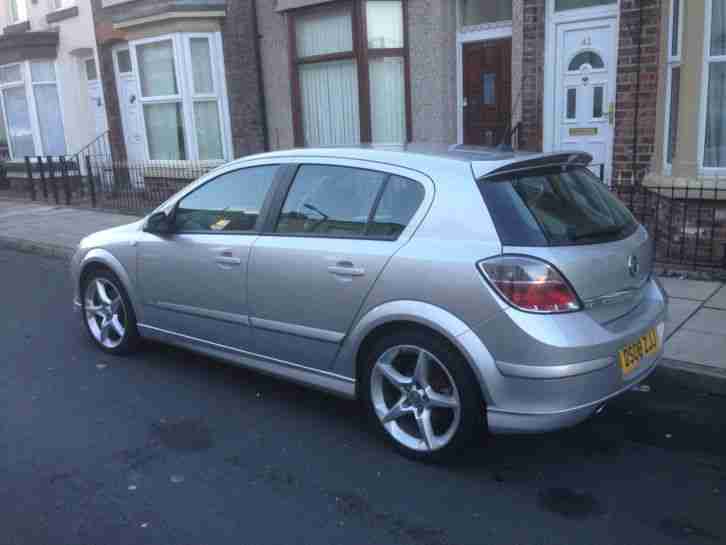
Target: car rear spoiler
x=538 y=161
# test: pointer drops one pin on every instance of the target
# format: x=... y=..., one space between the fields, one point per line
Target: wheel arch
x=398 y=315
x=99 y=258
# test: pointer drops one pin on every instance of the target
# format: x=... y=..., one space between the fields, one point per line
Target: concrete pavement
x=696 y=330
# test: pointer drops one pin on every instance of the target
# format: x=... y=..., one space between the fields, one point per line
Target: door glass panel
x=586 y=57
x=477 y=12
x=572 y=103
x=384 y=21
x=718 y=27
x=598 y=96
x=329 y=92
x=209 y=137
x=388 y=100
x=330 y=201
x=21 y=134
x=324 y=32
x=124 y=61
x=165 y=131
x=91 y=72
x=561 y=5
x=399 y=202
x=489 y=84
x=231 y=202
x=201 y=66
x=156 y=68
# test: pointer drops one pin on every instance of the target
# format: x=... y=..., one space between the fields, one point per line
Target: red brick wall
x=635 y=108
x=533 y=51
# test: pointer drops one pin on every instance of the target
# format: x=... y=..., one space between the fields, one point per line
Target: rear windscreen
x=555 y=207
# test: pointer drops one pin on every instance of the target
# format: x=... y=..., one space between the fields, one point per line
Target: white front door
x=585 y=89
x=95 y=97
x=128 y=95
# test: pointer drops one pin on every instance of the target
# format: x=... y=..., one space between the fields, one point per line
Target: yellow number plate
x=631 y=355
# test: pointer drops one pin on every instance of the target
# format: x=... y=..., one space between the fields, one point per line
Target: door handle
x=346 y=268
x=227 y=258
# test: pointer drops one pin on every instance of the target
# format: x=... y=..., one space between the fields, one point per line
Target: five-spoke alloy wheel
x=422 y=394
x=107 y=313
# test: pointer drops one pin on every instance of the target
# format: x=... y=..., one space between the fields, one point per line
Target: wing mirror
x=159 y=223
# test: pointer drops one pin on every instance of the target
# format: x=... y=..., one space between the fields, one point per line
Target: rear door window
x=557 y=207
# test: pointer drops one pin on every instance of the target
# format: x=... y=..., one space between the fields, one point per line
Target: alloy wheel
x=105 y=313
x=415 y=398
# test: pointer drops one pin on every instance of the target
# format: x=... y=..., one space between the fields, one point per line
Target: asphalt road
x=166 y=447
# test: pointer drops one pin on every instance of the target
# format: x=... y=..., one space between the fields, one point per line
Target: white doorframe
x=496 y=32
x=552 y=19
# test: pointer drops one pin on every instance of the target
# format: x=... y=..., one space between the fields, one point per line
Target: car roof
x=426 y=157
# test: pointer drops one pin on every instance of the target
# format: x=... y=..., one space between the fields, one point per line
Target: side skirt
x=307 y=376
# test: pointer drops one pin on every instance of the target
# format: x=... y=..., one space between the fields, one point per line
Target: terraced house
x=50 y=94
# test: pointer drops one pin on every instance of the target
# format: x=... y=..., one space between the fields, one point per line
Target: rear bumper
x=505 y=421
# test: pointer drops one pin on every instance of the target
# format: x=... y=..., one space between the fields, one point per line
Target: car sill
x=316 y=378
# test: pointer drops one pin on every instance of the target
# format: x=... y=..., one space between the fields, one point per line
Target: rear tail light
x=530 y=284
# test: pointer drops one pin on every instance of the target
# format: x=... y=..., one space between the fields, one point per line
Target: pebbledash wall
x=119 y=21
x=640 y=28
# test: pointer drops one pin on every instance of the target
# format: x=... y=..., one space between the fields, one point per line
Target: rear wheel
x=422 y=395
x=107 y=313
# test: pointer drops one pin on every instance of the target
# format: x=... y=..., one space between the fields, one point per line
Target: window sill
x=62 y=14
x=17 y=28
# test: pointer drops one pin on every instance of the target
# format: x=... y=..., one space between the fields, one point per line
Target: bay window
x=350 y=73
x=31 y=111
x=714 y=153
x=181 y=93
x=673 y=78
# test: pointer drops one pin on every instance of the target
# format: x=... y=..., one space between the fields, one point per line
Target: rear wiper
x=607 y=231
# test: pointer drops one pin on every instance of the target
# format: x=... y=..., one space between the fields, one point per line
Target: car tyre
x=107 y=314
x=422 y=395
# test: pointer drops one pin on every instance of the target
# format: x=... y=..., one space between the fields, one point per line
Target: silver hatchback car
x=452 y=291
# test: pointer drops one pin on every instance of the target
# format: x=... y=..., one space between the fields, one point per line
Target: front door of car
x=311 y=270
x=193 y=280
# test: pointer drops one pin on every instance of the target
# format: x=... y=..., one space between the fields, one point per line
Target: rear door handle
x=346 y=268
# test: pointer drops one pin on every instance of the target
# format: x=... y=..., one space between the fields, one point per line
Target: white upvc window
x=182 y=95
x=18 y=11
x=673 y=78
x=56 y=5
x=30 y=109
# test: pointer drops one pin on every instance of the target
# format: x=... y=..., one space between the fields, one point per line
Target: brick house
x=181 y=78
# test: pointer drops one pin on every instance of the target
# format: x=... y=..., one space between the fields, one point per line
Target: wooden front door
x=487 y=91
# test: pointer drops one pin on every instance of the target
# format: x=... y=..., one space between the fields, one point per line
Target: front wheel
x=108 y=315
x=423 y=395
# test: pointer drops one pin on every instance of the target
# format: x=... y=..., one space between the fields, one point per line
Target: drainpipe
x=261 y=80
x=636 y=131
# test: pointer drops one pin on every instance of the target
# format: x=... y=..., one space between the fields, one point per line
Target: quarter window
x=335 y=106
x=229 y=203
x=399 y=202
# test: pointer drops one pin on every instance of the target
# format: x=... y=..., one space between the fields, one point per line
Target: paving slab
x=698 y=347
x=708 y=320
x=679 y=310
x=718 y=300
x=689 y=289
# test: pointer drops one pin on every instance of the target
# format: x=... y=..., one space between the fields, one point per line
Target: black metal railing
x=687 y=219
x=95 y=181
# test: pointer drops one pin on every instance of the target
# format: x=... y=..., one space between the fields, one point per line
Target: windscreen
x=555 y=207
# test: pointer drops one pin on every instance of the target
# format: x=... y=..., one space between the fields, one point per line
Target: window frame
x=21 y=14
x=186 y=95
x=28 y=86
x=283 y=190
x=360 y=53
x=53 y=5
x=672 y=62
x=708 y=59
x=264 y=209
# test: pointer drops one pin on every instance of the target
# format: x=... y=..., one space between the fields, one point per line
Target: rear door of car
x=335 y=225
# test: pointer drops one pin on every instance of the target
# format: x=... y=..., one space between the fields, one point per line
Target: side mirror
x=159 y=223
